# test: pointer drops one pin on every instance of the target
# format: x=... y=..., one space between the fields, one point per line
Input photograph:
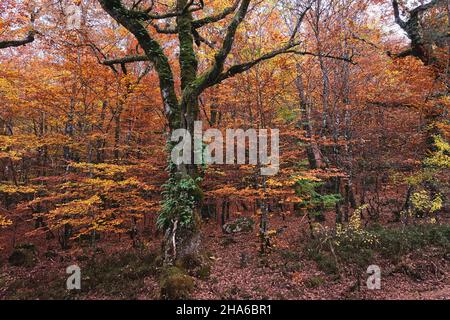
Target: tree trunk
x=312 y=150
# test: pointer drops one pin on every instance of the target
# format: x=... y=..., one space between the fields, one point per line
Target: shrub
x=24 y=255
x=352 y=245
x=396 y=242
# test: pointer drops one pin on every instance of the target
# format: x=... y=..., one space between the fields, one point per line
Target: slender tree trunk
x=312 y=150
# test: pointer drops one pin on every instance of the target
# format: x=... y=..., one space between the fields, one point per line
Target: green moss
x=198 y=266
x=204 y=272
x=176 y=284
x=120 y=275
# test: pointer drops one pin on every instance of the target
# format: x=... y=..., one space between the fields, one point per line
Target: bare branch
x=239 y=68
x=153 y=51
x=300 y=20
x=398 y=19
x=220 y=57
x=128 y=59
x=217 y=17
x=147 y=15
x=17 y=43
x=425 y=7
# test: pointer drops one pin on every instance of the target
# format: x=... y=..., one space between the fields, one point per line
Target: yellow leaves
x=11 y=189
x=437 y=204
x=78 y=207
x=94 y=200
x=292 y=181
x=305 y=176
x=355 y=219
x=8 y=90
x=442 y=145
x=354 y=232
x=102 y=199
x=440 y=158
x=19 y=146
x=13 y=155
x=274 y=183
x=423 y=202
x=4 y=222
x=105 y=185
x=103 y=169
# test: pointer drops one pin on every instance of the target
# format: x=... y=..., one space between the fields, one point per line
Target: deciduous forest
x=91 y=92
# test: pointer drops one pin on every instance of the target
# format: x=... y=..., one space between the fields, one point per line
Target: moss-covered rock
x=198 y=265
x=242 y=224
x=176 y=284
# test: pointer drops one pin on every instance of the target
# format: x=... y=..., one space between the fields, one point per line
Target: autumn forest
x=345 y=194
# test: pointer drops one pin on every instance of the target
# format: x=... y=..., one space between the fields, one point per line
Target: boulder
x=176 y=284
x=242 y=224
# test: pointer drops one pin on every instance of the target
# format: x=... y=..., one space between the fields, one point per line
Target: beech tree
x=179 y=214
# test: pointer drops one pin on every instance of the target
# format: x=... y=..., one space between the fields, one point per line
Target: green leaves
x=180 y=196
x=307 y=190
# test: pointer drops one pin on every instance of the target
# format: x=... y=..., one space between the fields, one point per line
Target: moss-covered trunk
x=182 y=234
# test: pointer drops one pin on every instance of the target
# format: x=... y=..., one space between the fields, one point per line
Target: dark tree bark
x=17 y=43
x=313 y=152
x=421 y=47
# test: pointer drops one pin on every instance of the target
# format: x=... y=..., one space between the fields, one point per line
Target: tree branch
x=216 y=75
x=210 y=76
x=147 y=15
x=398 y=19
x=300 y=20
x=128 y=59
x=164 y=30
x=425 y=7
x=17 y=43
x=239 y=68
x=153 y=51
x=217 y=17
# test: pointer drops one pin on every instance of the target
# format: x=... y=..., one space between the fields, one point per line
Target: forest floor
x=238 y=271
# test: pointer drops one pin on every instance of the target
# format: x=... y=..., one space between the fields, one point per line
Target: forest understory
x=237 y=271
